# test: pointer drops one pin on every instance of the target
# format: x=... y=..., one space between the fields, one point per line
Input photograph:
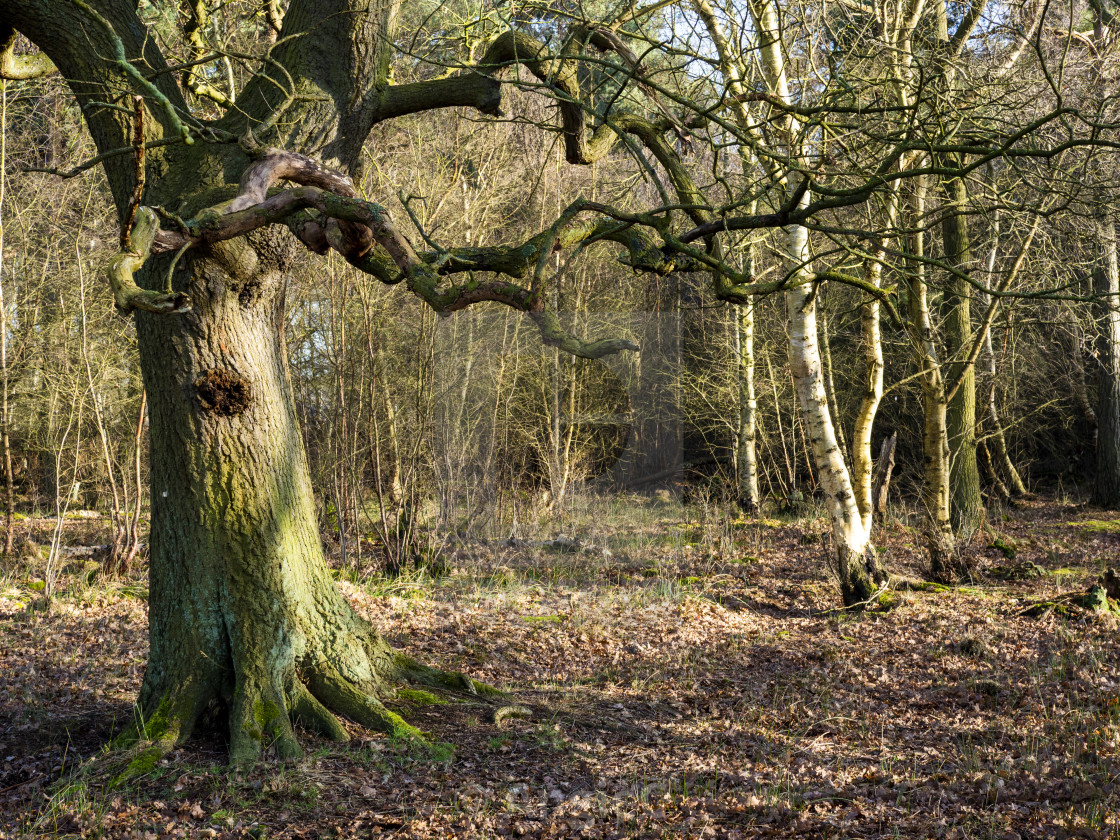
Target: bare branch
x=365 y=235
x=197 y=17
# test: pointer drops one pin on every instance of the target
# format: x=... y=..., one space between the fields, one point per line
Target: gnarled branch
x=127 y=294
x=325 y=211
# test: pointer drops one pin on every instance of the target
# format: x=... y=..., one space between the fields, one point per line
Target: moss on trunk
x=243 y=610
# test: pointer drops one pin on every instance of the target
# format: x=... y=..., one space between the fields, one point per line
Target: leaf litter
x=692 y=681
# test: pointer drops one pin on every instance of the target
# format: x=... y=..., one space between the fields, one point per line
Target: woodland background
x=589 y=512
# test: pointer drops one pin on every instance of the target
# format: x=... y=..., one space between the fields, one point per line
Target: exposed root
x=412 y=671
x=341 y=696
x=267 y=703
x=313 y=715
x=152 y=737
x=909 y=584
x=258 y=718
x=506 y=712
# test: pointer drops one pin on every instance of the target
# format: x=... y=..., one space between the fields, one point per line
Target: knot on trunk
x=223 y=392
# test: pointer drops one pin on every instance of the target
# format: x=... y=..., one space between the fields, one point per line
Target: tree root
x=505 y=712
x=909 y=584
x=264 y=711
x=412 y=671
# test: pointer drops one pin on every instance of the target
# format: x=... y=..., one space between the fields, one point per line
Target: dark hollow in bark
x=223 y=392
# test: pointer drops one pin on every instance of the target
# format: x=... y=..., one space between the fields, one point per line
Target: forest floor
x=695 y=680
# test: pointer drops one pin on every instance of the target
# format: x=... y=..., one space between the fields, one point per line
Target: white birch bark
x=856 y=565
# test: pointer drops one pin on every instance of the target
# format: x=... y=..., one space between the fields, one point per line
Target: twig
x=93 y=161
x=21 y=784
x=130 y=70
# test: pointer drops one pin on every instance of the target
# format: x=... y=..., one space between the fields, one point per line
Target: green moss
x=973 y=591
x=889 y=600
x=159 y=724
x=155 y=728
x=1022 y=571
x=420 y=698
x=927 y=586
x=1043 y=608
x=1096 y=599
x=398 y=728
x=265 y=712
x=142 y=764
x=543 y=619
x=1100 y=526
x=1006 y=546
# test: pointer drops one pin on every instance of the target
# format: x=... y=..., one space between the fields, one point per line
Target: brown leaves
x=696 y=701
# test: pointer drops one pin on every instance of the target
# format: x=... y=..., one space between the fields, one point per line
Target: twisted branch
x=324 y=211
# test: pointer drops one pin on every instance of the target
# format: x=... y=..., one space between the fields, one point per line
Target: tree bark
x=856 y=563
x=242 y=608
x=1106 y=487
x=862 y=466
x=964 y=472
x=999 y=441
x=746 y=432
x=5 y=437
x=936 y=492
x=884 y=468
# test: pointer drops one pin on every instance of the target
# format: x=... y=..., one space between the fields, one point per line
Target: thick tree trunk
x=1106 y=487
x=242 y=607
x=243 y=611
x=964 y=473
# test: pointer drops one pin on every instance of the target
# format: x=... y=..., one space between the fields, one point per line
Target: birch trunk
x=1106 y=487
x=746 y=453
x=856 y=563
x=862 y=463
